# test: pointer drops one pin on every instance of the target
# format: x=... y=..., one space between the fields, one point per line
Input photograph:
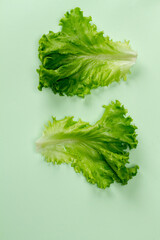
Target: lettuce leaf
x=99 y=151
x=79 y=58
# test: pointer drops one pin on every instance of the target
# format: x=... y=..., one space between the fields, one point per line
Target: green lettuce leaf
x=99 y=151
x=79 y=58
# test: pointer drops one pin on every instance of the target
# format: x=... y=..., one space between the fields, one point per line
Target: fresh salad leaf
x=79 y=58
x=99 y=151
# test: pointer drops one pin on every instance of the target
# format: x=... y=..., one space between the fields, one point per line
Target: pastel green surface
x=46 y=202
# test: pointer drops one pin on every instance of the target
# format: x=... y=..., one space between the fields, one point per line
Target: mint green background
x=39 y=201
